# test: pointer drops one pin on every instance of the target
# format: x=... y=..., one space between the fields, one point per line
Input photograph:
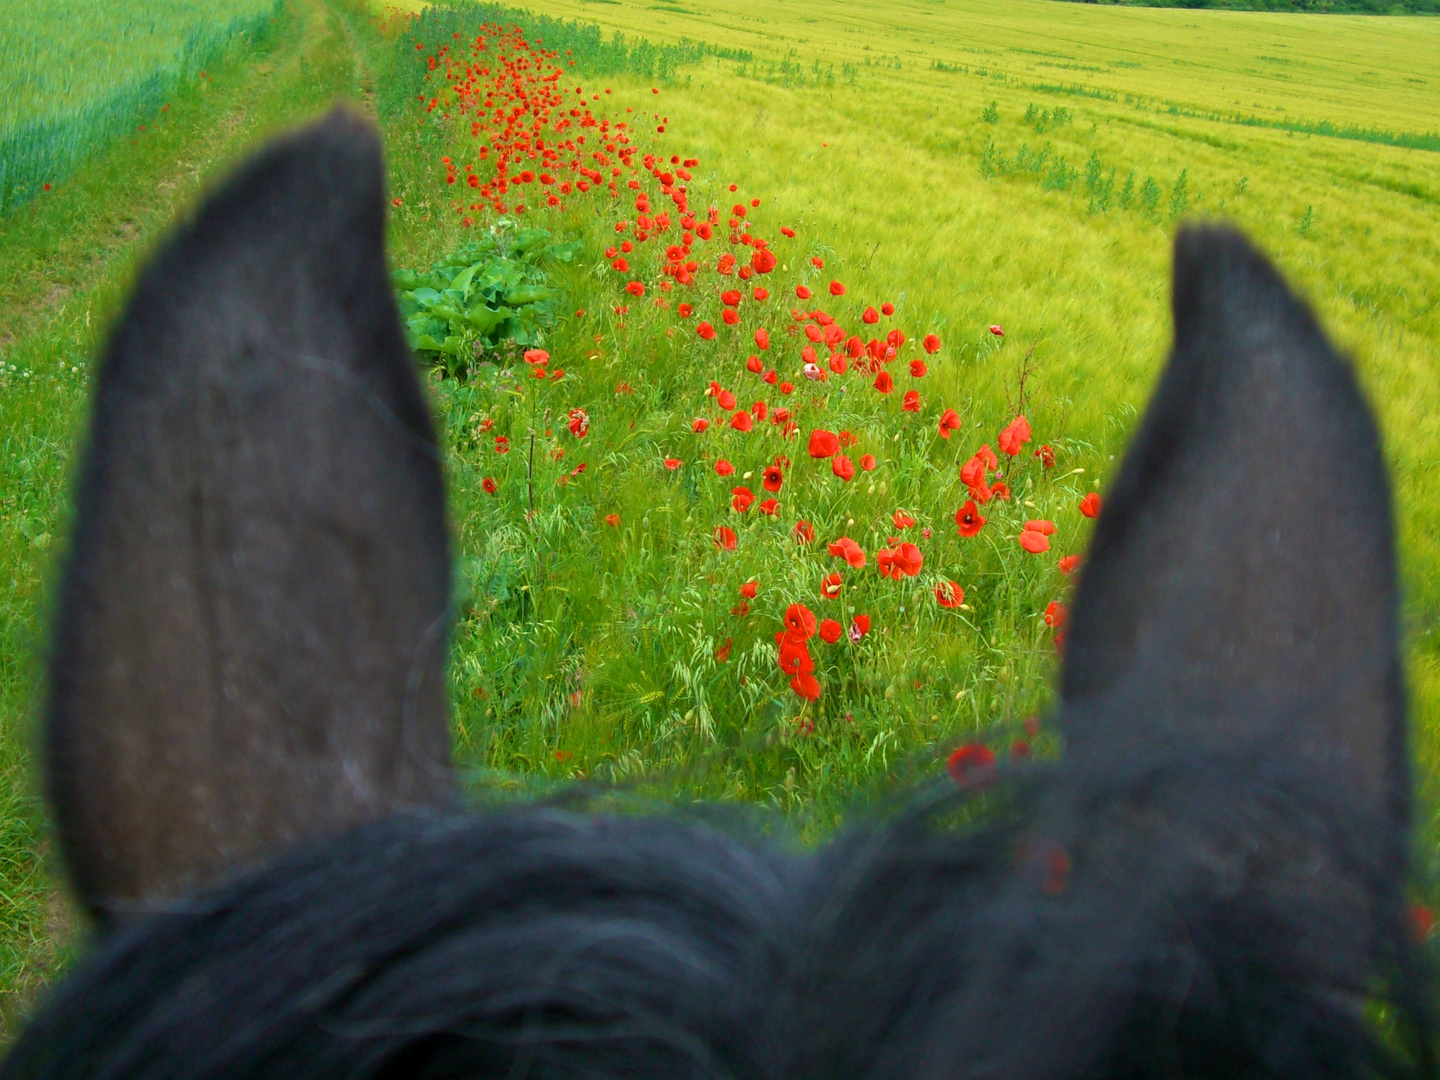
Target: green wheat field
x=1020 y=164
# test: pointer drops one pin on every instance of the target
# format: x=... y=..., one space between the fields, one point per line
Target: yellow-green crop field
x=1015 y=163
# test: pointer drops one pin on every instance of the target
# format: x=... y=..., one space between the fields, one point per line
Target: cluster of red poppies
x=511 y=89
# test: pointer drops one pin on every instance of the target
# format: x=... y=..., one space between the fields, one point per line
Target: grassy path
x=66 y=262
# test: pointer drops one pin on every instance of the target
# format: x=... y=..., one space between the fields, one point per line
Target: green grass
x=114 y=67
x=863 y=128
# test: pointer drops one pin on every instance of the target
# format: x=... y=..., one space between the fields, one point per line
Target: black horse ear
x=253 y=619
x=1240 y=589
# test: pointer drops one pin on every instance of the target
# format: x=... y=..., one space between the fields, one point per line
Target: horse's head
x=247 y=670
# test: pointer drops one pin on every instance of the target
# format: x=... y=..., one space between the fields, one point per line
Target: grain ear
x=253 y=617
x=1240 y=588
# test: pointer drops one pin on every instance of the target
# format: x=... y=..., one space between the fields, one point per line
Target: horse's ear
x=1240 y=590
x=252 y=622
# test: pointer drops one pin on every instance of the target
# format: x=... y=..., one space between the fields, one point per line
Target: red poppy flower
x=902 y=520
x=743 y=498
x=1055 y=614
x=1000 y=491
x=502 y=444
x=1041 y=525
x=794 y=656
x=673 y=463
x=761 y=293
x=842 y=467
x=911 y=401
x=802 y=292
x=706 y=331
x=635 y=288
x=729 y=316
x=621 y=265
x=762 y=339
x=772 y=478
x=724 y=538
x=1016 y=433
x=613 y=520
x=836 y=289
x=699 y=425
x=1090 y=505
x=489 y=485
x=758 y=410
x=787 y=231
x=870 y=316
x=770 y=507
x=1034 y=542
x=817 y=262
x=830 y=631
x=785 y=387
x=1068 y=564
x=742 y=421
x=722 y=654
x=867 y=462
x=969 y=519
x=726 y=399
x=970 y=764
x=887 y=309
x=799 y=621
x=537 y=356
x=949 y=422
x=931 y=343
x=684 y=310
x=849 y=550
x=803 y=532
x=908 y=559
x=749 y=589
x=740 y=610
x=949 y=595
x=806 y=686
x=724 y=468
x=831 y=585
x=1019 y=751
x=997 y=331
x=823 y=444
x=884 y=383
x=918 y=369
x=730 y=297
x=754 y=364
x=1046 y=455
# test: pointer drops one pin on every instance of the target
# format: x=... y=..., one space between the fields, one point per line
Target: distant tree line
x=1337 y=7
